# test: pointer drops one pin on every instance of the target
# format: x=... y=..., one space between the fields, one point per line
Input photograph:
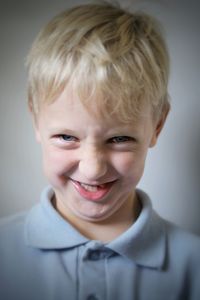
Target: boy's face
x=93 y=164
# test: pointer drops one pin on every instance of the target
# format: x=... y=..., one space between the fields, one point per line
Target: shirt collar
x=144 y=242
x=46 y=229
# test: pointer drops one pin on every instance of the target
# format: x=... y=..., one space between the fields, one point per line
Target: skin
x=78 y=147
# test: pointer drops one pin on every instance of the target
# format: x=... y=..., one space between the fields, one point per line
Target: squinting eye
x=121 y=139
x=67 y=138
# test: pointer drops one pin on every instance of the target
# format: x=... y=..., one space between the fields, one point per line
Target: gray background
x=173 y=167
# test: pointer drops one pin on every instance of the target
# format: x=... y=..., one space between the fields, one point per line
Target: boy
x=98 y=80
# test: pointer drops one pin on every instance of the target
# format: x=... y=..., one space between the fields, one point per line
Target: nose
x=93 y=164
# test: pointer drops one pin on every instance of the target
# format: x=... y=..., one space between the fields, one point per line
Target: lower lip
x=97 y=195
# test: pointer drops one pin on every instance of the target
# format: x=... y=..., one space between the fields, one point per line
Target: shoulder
x=182 y=243
x=179 y=242
x=12 y=243
x=12 y=234
x=182 y=249
x=10 y=225
x=13 y=229
x=183 y=257
x=180 y=238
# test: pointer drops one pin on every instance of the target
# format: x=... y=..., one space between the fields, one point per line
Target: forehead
x=69 y=106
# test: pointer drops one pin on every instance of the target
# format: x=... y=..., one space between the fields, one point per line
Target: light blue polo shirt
x=42 y=257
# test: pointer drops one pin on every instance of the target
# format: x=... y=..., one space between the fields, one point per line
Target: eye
x=67 y=138
x=121 y=139
x=64 y=141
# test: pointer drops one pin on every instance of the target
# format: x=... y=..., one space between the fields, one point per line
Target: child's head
x=98 y=91
x=115 y=61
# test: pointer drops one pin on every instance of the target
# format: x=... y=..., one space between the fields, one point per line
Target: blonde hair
x=116 y=61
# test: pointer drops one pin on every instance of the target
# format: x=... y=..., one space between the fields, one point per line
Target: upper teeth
x=91 y=188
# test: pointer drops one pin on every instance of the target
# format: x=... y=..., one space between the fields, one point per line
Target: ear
x=159 y=125
x=34 y=122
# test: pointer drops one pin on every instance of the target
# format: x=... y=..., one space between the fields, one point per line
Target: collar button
x=94 y=255
x=99 y=254
x=92 y=297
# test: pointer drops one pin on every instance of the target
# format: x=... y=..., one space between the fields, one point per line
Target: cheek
x=57 y=162
x=131 y=165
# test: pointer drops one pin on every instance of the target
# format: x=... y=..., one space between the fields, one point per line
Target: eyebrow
x=57 y=129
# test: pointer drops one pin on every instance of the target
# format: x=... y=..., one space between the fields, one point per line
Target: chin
x=95 y=217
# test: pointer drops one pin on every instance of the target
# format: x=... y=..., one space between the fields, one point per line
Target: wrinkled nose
x=92 y=164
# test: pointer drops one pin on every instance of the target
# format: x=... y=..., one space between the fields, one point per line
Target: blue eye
x=120 y=139
x=67 y=138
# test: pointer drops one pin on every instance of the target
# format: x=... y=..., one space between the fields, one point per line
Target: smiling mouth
x=92 y=188
x=93 y=192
